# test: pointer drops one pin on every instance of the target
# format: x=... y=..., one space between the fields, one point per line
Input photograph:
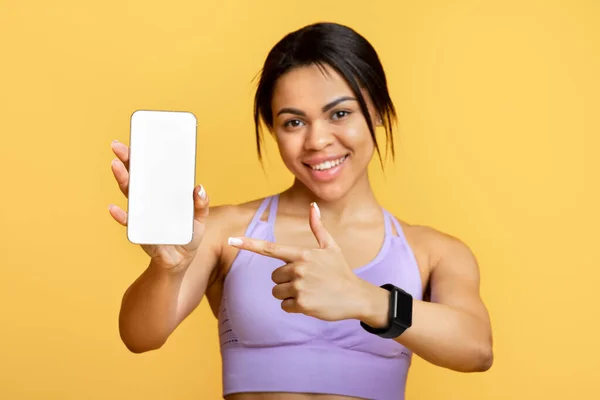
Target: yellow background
x=497 y=144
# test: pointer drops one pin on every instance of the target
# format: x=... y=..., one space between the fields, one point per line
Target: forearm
x=149 y=309
x=440 y=334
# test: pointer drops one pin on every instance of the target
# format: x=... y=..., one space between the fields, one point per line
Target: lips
x=329 y=170
x=325 y=162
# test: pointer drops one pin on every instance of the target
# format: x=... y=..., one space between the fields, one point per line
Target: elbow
x=135 y=349
x=139 y=340
x=482 y=353
x=483 y=359
x=480 y=359
x=140 y=348
x=139 y=345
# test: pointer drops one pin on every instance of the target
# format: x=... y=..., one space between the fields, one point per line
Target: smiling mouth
x=328 y=164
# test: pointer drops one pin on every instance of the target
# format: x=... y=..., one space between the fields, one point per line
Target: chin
x=330 y=190
x=328 y=193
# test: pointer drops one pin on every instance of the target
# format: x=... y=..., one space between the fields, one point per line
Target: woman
x=319 y=291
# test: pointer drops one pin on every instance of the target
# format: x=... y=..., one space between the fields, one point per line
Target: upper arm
x=455 y=276
x=204 y=267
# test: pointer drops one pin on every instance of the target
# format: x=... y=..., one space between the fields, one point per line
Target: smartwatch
x=399 y=314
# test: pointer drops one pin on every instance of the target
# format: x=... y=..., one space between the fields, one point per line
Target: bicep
x=455 y=278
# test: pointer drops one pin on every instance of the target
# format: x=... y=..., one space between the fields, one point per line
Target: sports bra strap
x=398 y=227
x=273 y=209
x=387 y=218
x=261 y=209
x=273 y=201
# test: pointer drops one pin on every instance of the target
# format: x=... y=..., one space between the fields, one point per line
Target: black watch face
x=403 y=312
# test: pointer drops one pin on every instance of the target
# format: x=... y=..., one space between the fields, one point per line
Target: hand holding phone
x=166 y=210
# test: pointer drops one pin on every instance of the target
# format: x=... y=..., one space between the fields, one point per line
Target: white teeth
x=328 y=164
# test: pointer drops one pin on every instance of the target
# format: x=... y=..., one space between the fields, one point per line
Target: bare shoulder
x=446 y=262
x=224 y=221
x=229 y=219
x=437 y=245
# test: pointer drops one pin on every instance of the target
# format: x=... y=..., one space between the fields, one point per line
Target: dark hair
x=344 y=50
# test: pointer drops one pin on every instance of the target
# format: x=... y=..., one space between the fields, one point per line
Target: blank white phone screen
x=162 y=172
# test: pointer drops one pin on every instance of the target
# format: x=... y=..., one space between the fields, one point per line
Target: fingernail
x=115 y=141
x=316 y=207
x=202 y=193
x=234 y=241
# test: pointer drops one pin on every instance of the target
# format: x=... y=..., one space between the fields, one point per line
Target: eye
x=293 y=123
x=340 y=114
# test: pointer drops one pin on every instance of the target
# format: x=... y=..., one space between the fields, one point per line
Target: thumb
x=201 y=204
x=323 y=237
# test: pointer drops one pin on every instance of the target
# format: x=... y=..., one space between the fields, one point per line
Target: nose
x=318 y=136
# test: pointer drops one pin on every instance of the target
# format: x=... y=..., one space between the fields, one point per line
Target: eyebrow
x=326 y=107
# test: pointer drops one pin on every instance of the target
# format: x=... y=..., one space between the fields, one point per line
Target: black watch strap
x=399 y=315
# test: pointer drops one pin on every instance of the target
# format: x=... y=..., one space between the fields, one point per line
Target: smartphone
x=162 y=175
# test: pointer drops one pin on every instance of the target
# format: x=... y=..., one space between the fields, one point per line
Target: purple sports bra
x=265 y=349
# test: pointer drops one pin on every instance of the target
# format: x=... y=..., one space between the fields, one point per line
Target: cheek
x=358 y=138
x=289 y=146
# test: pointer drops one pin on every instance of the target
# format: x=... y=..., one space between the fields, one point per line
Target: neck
x=357 y=203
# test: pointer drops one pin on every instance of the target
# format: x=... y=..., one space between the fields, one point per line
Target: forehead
x=309 y=87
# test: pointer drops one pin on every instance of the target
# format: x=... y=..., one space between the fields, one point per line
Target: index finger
x=121 y=150
x=270 y=249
